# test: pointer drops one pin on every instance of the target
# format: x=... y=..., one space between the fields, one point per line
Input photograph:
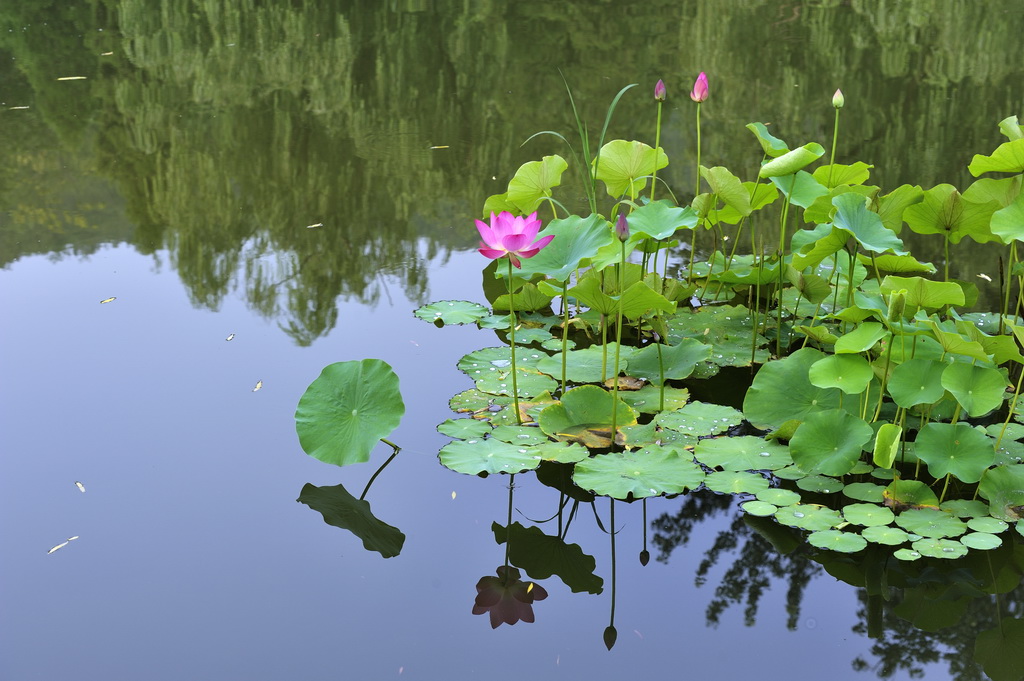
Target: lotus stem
x=391 y=458
x=618 y=341
x=565 y=328
x=512 y=338
x=508 y=522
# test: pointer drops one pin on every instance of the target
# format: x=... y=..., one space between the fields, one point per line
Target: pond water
x=181 y=173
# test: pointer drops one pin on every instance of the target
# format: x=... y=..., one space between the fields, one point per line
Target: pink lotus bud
x=700 y=88
x=622 y=228
x=659 y=90
x=838 y=100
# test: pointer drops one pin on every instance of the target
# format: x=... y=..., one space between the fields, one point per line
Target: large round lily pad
x=742 y=453
x=829 y=442
x=347 y=409
x=641 y=473
x=490 y=455
x=781 y=392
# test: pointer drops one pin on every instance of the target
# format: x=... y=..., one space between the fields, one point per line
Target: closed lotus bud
x=838 y=100
x=659 y=90
x=700 y=89
x=622 y=228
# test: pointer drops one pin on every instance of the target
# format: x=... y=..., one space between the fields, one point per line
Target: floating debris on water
x=440 y=146
x=108 y=300
x=259 y=384
x=72 y=78
x=58 y=546
x=231 y=336
x=985 y=277
x=106 y=54
x=80 y=486
x=17 y=108
x=314 y=226
x=453 y=494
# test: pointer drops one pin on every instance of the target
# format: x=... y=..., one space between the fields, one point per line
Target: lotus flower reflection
x=512 y=236
x=506 y=598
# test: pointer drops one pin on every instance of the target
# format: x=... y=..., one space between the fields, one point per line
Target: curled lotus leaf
x=1003 y=488
x=582 y=410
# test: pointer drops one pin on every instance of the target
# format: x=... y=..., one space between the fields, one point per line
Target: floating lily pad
x=868 y=514
x=789 y=473
x=966 y=508
x=497 y=360
x=347 y=410
x=647 y=399
x=864 y=491
x=940 y=548
x=916 y=381
x=677 y=361
x=726 y=328
x=981 y=540
x=519 y=435
x=837 y=540
x=585 y=415
x=906 y=554
x=883 y=534
x=759 y=508
x=931 y=523
x=700 y=419
x=778 y=496
x=956 y=449
x=820 y=483
x=495 y=321
x=989 y=525
x=452 y=312
x=464 y=429
x=641 y=473
x=736 y=482
x=584 y=366
x=473 y=457
x=473 y=401
x=529 y=382
x=742 y=453
x=809 y=517
x=561 y=452
x=902 y=494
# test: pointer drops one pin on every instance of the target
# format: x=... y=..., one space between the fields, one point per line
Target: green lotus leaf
x=802 y=188
x=489 y=455
x=576 y=241
x=625 y=166
x=452 y=312
x=968 y=508
x=931 y=522
x=809 y=517
x=678 y=361
x=864 y=491
x=789 y=473
x=1004 y=192
x=988 y=525
x=496 y=360
x=865 y=226
x=728 y=188
x=742 y=453
x=837 y=540
x=464 y=429
x=978 y=389
x=700 y=419
x=771 y=145
x=940 y=548
x=840 y=174
x=910 y=493
x=726 y=328
x=585 y=366
x=778 y=496
x=660 y=220
x=829 y=442
x=956 y=449
x=868 y=514
x=897 y=264
x=533 y=181
x=792 y=161
x=341 y=509
x=917 y=381
x=647 y=399
x=646 y=472
x=1011 y=128
x=849 y=373
x=998 y=650
x=561 y=452
x=519 y=435
x=781 y=392
x=498 y=203
x=473 y=400
x=822 y=211
x=887 y=445
x=891 y=205
x=588 y=408
x=820 y=483
x=944 y=211
x=759 y=508
x=906 y=554
x=529 y=382
x=347 y=410
x=736 y=482
x=1007 y=158
x=1008 y=223
x=956 y=343
x=882 y=534
x=1003 y=488
x=861 y=339
x=543 y=555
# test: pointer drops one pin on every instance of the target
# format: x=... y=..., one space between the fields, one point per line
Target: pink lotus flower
x=700 y=89
x=659 y=91
x=512 y=236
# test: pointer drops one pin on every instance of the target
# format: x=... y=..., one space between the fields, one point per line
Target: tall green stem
x=832 y=156
x=618 y=341
x=391 y=458
x=512 y=338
